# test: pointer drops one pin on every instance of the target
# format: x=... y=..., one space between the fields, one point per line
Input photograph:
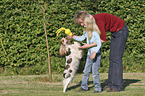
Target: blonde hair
x=90 y=25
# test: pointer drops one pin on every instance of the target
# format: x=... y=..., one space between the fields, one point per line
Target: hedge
x=23 y=48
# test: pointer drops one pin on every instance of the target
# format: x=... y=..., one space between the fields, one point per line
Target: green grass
x=38 y=85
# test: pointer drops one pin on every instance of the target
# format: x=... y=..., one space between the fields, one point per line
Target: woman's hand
x=93 y=56
x=69 y=37
x=84 y=46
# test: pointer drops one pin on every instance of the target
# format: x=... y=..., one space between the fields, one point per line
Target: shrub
x=23 y=45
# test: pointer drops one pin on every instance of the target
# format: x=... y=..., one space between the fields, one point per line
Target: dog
x=73 y=56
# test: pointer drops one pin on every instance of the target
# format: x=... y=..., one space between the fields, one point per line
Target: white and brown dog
x=73 y=55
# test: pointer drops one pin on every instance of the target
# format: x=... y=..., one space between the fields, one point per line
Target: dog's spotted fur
x=73 y=56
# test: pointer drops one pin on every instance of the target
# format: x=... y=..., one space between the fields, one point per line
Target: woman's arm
x=97 y=48
x=79 y=38
x=98 y=41
x=88 y=45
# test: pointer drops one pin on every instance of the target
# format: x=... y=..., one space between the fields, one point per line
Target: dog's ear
x=62 y=51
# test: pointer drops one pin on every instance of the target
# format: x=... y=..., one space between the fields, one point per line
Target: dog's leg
x=66 y=83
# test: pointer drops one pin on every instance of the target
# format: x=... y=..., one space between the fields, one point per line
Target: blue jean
x=94 y=65
x=117 y=46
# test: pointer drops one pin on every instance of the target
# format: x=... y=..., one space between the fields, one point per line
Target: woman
x=107 y=22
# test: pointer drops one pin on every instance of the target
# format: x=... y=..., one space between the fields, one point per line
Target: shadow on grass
x=126 y=82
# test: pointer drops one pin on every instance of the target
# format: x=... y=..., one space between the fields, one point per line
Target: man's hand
x=93 y=56
x=102 y=41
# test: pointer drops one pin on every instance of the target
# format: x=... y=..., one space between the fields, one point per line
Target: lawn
x=38 y=85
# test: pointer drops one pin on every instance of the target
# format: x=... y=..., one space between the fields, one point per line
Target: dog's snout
x=60 y=42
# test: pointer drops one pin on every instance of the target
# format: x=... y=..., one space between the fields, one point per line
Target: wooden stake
x=3 y=47
x=50 y=75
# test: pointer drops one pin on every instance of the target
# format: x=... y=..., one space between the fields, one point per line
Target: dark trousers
x=117 y=46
